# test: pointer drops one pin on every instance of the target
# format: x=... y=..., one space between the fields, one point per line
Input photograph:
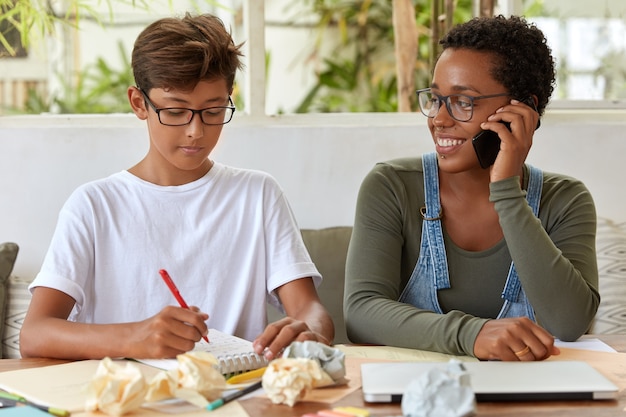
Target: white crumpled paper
x=302 y=367
x=195 y=380
x=440 y=392
x=331 y=360
x=116 y=389
x=287 y=380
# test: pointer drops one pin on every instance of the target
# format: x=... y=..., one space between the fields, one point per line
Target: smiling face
x=178 y=154
x=463 y=71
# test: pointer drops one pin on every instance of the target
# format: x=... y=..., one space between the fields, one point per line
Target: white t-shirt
x=228 y=240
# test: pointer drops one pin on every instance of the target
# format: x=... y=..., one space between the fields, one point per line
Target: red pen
x=168 y=280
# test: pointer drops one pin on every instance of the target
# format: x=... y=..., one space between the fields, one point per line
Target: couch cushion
x=8 y=254
x=611 y=253
x=328 y=248
x=19 y=298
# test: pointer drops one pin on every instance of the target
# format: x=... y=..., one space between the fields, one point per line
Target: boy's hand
x=278 y=335
x=174 y=330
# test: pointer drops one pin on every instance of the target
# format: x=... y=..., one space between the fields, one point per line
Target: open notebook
x=62 y=386
x=496 y=381
x=234 y=354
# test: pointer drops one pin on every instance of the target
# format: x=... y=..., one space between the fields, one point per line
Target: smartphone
x=487 y=145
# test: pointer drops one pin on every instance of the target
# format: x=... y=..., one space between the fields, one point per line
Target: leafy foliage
x=98 y=89
x=359 y=74
x=35 y=19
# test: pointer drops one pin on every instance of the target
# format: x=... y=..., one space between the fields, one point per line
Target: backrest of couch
x=19 y=298
x=8 y=255
x=611 y=254
x=328 y=248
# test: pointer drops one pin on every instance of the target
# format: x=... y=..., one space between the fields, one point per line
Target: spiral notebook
x=234 y=354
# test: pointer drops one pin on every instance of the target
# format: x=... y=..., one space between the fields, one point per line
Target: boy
x=226 y=236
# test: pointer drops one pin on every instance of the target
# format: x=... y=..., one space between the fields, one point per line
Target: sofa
x=14 y=299
x=328 y=248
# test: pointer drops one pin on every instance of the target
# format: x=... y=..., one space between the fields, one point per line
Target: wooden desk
x=257 y=407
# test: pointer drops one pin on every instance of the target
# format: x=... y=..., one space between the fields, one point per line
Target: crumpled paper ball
x=287 y=380
x=440 y=392
x=331 y=360
x=116 y=389
x=195 y=379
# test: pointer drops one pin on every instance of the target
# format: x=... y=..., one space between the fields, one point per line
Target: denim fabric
x=431 y=271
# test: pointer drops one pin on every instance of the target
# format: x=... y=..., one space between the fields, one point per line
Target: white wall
x=318 y=159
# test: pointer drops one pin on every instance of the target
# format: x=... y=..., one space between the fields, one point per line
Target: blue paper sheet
x=23 y=411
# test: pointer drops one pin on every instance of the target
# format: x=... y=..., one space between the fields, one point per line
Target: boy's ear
x=137 y=102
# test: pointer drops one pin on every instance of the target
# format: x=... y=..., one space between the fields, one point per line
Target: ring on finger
x=523 y=352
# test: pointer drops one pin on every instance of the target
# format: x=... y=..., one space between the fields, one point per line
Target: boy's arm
x=307 y=319
x=46 y=332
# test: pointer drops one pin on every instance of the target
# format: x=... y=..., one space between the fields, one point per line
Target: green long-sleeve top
x=554 y=256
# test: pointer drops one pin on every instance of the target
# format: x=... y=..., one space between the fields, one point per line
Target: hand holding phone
x=487 y=145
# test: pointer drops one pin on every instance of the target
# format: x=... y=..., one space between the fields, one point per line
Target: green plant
x=360 y=74
x=97 y=89
x=613 y=71
x=36 y=19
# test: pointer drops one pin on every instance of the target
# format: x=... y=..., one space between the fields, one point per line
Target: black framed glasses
x=460 y=106
x=180 y=116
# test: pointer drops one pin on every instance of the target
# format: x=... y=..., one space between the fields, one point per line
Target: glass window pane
x=589 y=44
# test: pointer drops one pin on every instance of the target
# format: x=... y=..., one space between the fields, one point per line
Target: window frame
x=254 y=91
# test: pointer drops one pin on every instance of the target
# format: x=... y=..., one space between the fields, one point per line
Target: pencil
x=10 y=400
x=170 y=284
x=235 y=395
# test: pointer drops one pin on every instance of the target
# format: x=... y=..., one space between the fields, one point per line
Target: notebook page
x=234 y=353
x=62 y=386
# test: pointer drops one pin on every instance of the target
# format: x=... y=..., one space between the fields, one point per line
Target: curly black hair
x=524 y=64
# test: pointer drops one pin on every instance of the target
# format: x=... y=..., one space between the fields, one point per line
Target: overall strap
x=431 y=215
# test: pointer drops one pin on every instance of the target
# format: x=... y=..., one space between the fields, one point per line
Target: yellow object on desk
x=355 y=411
x=246 y=376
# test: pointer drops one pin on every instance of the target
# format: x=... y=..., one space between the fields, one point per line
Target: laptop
x=385 y=382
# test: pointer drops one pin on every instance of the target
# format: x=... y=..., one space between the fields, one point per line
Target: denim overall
x=431 y=272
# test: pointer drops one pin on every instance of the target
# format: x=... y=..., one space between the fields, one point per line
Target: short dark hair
x=180 y=52
x=523 y=62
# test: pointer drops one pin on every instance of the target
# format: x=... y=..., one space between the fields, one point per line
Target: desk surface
x=258 y=406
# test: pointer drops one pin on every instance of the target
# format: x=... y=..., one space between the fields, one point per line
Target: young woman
x=449 y=256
